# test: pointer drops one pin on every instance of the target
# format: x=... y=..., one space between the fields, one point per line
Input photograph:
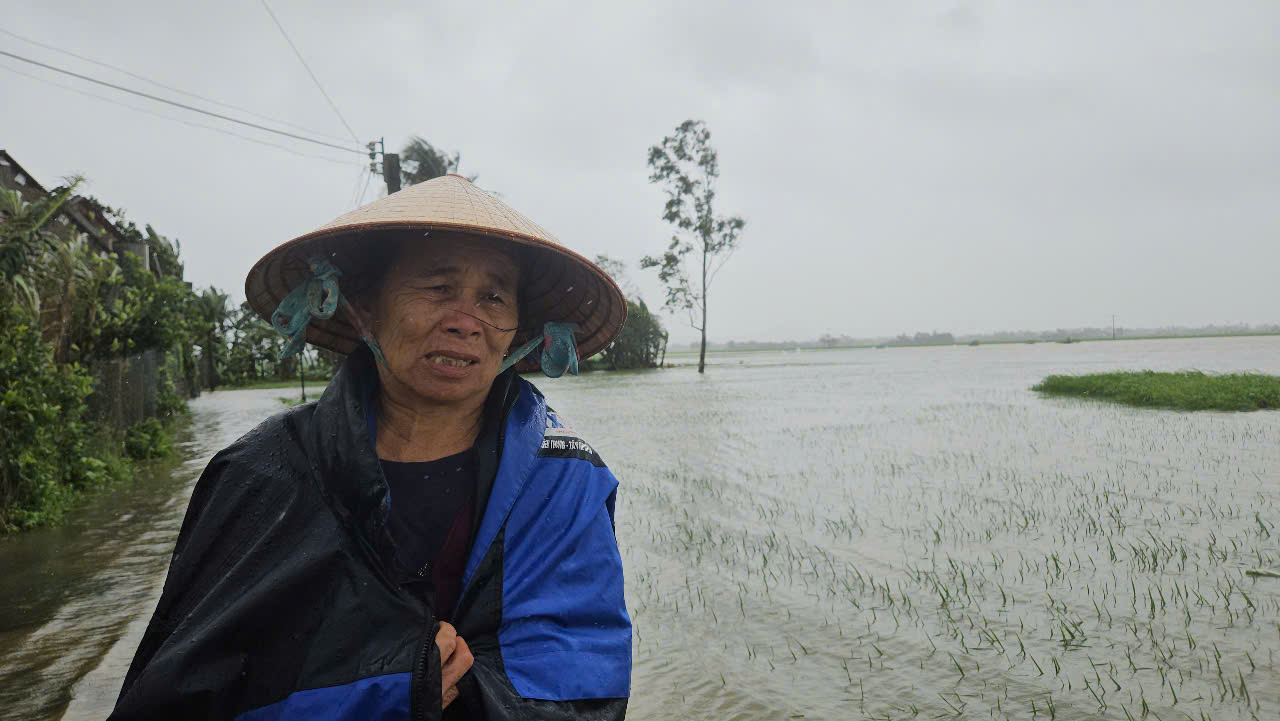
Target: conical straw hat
x=556 y=283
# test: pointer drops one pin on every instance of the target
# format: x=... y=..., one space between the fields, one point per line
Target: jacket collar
x=345 y=459
x=523 y=427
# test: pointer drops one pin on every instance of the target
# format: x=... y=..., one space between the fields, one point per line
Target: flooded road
x=76 y=599
x=898 y=533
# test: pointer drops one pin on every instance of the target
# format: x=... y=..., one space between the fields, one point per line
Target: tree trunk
x=702 y=354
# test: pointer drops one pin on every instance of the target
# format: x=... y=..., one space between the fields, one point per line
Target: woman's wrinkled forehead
x=452 y=254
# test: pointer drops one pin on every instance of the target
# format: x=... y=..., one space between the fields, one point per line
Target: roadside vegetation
x=241 y=350
x=66 y=306
x=1183 y=390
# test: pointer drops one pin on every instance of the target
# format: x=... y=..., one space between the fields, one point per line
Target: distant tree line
x=923 y=339
x=1096 y=332
x=828 y=340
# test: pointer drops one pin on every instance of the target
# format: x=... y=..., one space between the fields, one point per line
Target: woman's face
x=445 y=316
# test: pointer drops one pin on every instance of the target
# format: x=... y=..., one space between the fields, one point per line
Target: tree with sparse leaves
x=687 y=166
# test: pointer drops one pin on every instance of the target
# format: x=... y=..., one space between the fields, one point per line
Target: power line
x=308 y=68
x=189 y=123
x=175 y=103
x=170 y=88
x=351 y=201
x=360 y=202
x=355 y=199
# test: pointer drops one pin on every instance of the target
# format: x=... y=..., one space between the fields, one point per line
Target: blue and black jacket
x=285 y=598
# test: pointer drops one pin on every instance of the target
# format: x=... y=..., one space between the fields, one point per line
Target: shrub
x=168 y=403
x=639 y=343
x=41 y=425
x=147 y=439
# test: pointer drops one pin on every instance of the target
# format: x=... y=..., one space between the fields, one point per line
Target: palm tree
x=421 y=161
x=24 y=239
x=214 y=315
x=69 y=279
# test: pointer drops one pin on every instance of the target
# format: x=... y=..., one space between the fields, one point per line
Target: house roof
x=86 y=215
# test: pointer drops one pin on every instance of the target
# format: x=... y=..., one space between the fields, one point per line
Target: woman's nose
x=458 y=320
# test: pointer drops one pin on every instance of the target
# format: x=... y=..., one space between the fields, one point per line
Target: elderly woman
x=429 y=539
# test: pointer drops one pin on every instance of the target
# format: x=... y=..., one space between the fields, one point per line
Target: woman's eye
x=495 y=298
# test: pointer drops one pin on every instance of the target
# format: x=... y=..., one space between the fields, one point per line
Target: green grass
x=1183 y=390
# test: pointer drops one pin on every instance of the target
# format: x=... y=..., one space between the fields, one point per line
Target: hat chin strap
x=559 y=350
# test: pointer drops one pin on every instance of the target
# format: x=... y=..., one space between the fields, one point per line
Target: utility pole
x=1113 y=326
x=391 y=171
x=390 y=168
x=302 y=373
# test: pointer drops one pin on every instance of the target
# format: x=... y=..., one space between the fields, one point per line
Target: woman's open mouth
x=444 y=360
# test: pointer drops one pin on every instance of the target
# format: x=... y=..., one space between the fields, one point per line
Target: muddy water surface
x=75 y=599
x=911 y=533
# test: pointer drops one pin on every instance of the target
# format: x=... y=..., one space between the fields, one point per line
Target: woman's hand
x=455 y=660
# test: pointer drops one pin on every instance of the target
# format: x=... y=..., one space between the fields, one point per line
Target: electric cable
x=170 y=88
x=175 y=103
x=189 y=123
x=351 y=199
x=308 y=69
x=364 y=190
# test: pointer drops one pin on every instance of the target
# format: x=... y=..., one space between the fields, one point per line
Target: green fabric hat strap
x=559 y=350
x=316 y=297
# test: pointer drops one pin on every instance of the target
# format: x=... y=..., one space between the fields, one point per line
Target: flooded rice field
x=909 y=533
x=893 y=533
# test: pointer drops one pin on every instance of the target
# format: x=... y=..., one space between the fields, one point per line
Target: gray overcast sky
x=902 y=166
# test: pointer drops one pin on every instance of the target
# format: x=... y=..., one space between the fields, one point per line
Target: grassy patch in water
x=1182 y=390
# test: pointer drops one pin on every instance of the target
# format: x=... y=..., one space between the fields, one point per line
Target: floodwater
x=893 y=533
x=76 y=599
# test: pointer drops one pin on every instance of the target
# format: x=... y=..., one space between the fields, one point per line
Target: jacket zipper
x=419 y=702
